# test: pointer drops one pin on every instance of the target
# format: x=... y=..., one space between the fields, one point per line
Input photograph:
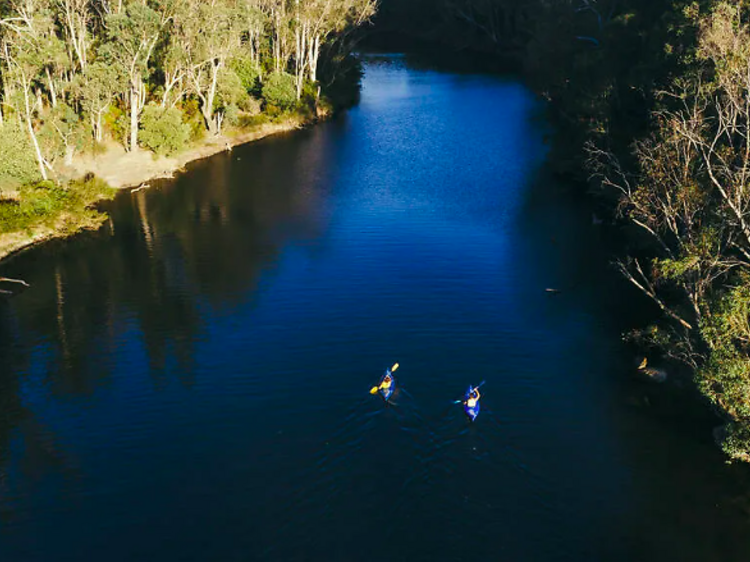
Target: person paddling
x=386 y=383
x=473 y=398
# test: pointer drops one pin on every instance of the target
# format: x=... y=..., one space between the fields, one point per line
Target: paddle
x=374 y=389
x=475 y=388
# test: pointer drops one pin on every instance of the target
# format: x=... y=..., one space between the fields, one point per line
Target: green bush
x=734 y=439
x=117 y=122
x=194 y=119
x=50 y=204
x=163 y=131
x=229 y=90
x=63 y=131
x=280 y=90
x=249 y=105
x=247 y=121
x=248 y=72
x=18 y=163
x=231 y=115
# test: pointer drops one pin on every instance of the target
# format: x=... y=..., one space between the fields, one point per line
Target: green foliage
x=131 y=36
x=246 y=121
x=729 y=321
x=734 y=439
x=49 y=204
x=193 y=119
x=230 y=90
x=97 y=87
x=162 y=131
x=18 y=164
x=724 y=380
x=248 y=72
x=63 y=132
x=279 y=90
x=231 y=115
x=117 y=122
x=675 y=268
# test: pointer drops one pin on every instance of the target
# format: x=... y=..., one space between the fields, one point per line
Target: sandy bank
x=122 y=170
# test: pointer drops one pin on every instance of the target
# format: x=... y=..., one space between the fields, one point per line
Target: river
x=191 y=382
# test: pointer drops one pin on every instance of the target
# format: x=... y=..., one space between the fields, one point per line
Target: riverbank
x=115 y=170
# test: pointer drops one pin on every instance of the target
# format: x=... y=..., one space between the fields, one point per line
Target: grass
x=64 y=208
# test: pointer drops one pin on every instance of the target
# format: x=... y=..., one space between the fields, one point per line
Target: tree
x=212 y=34
x=27 y=30
x=96 y=89
x=131 y=36
x=76 y=16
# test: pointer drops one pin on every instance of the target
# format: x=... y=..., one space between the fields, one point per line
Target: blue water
x=191 y=383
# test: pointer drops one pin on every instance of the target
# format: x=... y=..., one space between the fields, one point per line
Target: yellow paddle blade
x=374 y=390
x=395 y=366
x=643 y=364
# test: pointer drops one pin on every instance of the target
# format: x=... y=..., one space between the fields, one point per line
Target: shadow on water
x=142 y=286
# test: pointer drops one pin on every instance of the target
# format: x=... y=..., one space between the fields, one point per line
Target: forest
x=156 y=74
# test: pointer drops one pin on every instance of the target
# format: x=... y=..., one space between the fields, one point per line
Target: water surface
x=191 y=383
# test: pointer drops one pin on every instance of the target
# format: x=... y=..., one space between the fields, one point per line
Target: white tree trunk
x=134 y=110
x=69 y=152
x=208 y=101
x=52 y=93
x=30 y=126
x=300 y=56
x=314 y=55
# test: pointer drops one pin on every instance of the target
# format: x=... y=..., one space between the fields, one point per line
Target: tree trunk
x=134 y=110
x=314 y=54
x=30 y=126
x=208 y=106
x=99 y=132
x=52 y=93
x=69 y=152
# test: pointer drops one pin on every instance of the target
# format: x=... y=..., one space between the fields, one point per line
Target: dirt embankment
x=122 y=170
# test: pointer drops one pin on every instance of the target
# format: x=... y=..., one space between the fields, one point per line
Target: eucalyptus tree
x=280 y=36
x=132 y=33
x=96 y=89
x=315 y=21
x=76 y=18
x=28 y=30
x=254 y=22
x=211 y=34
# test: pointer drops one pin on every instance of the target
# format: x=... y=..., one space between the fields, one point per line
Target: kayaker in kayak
x=387 y=381
x=473 y=399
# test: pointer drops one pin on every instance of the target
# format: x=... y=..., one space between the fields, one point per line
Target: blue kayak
x=387 y=392
x=472 y=413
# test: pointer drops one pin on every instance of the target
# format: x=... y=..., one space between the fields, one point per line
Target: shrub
x=280 y=90
x=250 y=105
x=46 y=203
x=248 y=73
x=734 y=439
x=194 y=119
x=163 y=131
x=118 y=123
x=18 y=163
